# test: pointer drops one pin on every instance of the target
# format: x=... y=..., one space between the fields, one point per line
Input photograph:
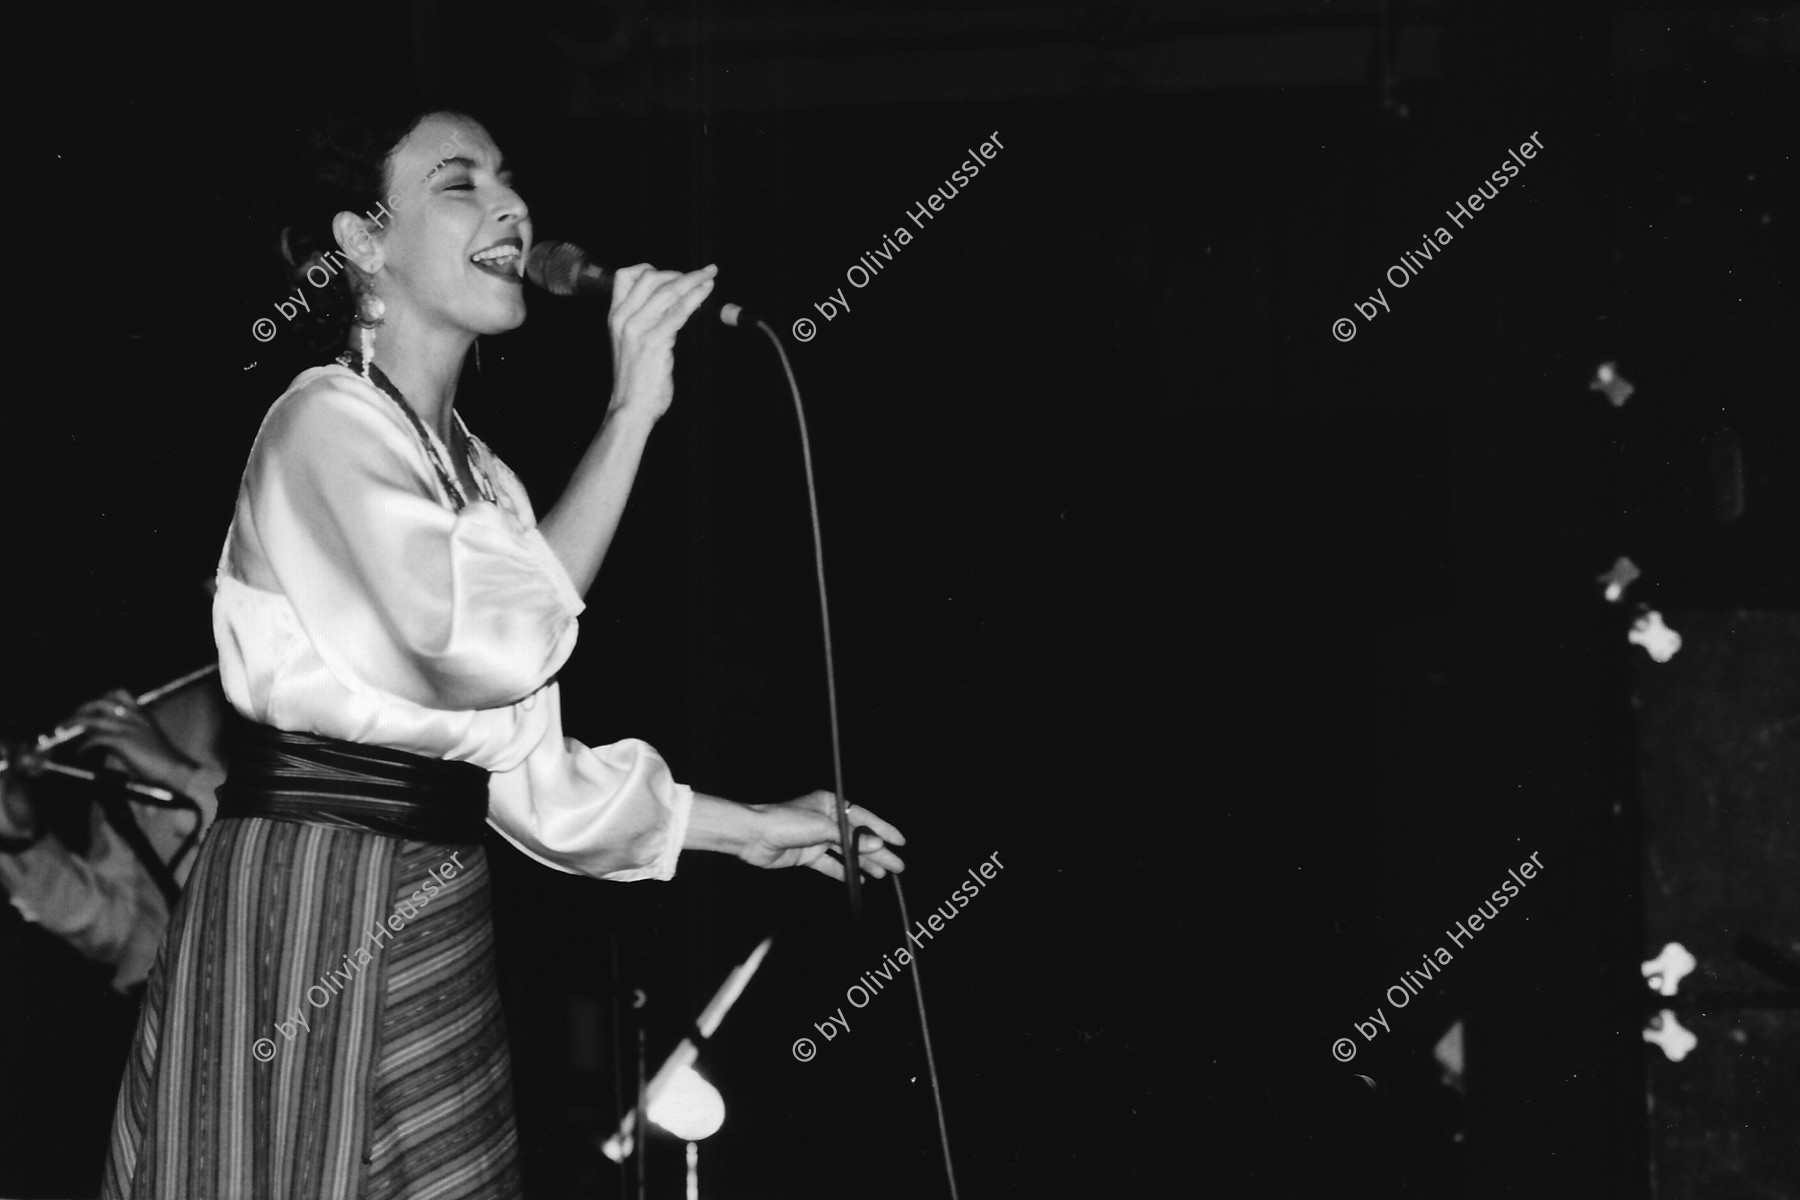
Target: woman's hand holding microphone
x=649 y=308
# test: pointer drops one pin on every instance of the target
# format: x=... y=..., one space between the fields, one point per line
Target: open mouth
x=502 y=259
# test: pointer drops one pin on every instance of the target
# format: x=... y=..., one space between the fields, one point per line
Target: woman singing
x=322 y=1020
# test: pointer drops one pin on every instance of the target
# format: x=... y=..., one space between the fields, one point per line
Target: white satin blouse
x=354 y=602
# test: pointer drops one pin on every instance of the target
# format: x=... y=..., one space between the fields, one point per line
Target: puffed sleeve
x=611 y=812
x=448 y=610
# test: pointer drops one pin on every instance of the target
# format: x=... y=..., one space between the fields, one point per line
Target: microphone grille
x=554 y=266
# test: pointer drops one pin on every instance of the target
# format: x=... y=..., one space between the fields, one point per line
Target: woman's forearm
x=580 y=527
x=649 y=308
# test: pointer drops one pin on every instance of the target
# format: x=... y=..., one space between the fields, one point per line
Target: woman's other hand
x=649 y=308
x=804 y=833
x=800 y=833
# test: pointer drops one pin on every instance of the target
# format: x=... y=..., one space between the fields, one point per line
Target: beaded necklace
x=433 y=447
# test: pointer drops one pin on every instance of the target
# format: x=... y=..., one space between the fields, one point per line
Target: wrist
x=720 y=825
x=629 y=414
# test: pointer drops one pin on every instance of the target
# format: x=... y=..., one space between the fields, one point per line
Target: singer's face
x=456 y=203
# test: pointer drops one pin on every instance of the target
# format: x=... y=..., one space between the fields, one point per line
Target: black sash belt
x=323 y=781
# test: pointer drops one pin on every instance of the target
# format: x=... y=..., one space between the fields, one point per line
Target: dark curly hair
x=343 y=167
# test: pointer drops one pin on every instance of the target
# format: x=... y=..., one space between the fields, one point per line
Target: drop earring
x=370 y=309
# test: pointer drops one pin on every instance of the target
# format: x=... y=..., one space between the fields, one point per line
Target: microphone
x=563 y=269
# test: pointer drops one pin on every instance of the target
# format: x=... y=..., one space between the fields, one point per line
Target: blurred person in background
x=111 y=898
x=87 y=873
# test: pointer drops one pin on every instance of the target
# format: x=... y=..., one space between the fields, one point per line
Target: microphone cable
x=852 y=871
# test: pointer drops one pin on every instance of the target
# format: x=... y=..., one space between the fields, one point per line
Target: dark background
x=1256 y=657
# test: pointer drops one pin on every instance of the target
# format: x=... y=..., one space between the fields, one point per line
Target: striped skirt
x=323 y=1021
